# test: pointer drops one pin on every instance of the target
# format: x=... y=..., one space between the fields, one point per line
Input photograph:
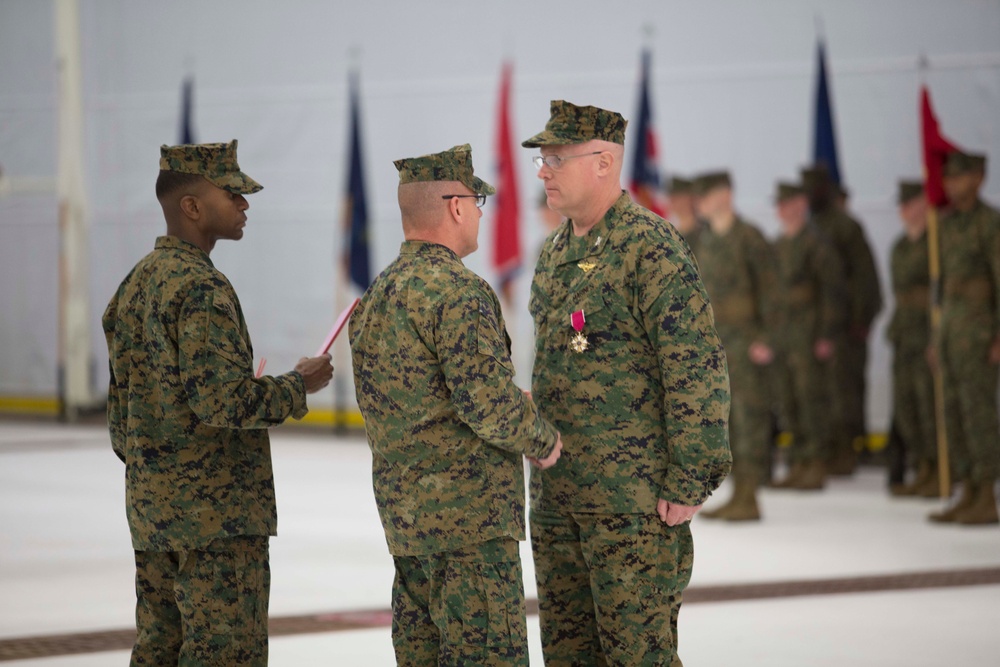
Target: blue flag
x=824 y=137
x=645 y=182
x=355 y=218
x=187 y=113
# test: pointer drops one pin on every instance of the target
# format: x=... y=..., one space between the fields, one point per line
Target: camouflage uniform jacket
x=738 y=271
x=184 y=410
x=446 y=424
x=810 y=289
x=909 y=327
x=643 y=411
x=970 y=272
x=863 y=292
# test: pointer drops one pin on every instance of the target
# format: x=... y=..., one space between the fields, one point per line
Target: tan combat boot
x=744 y=504
x=844 y=461
x=911 y=489
x=983 y=510
x=931 y=488
x=948 y=515
x=813 y=478
x=794 y=472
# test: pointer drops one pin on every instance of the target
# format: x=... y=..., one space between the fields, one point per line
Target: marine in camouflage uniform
x=737 y=267
x=909 y=333
x=810 y=289
x=447 y=428
x=630 y=369
x=189 y=420
x=860 y=304
x=680 y=203
x=968 y=348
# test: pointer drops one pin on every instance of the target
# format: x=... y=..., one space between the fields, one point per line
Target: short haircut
x=169 y=182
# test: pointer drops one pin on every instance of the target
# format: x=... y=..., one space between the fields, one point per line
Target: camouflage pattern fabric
x=862 y=300
x=909 y=334
x=215 y=162
x=632 y=568
x=454 y=164
x=643 y=410
x=970 y=320
x=572 y=124
x=461 y=607
x=643 y=415
x=205 y=607
x=810 y=289
x=446 y=424
x=739 y=275
x=185 y=413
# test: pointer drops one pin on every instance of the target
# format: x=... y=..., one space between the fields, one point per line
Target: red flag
x=935 y=149
x=506 y=238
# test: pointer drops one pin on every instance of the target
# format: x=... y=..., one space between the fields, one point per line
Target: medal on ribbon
x=579 y=341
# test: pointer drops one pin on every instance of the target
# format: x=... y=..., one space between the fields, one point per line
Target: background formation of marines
x=815 y=309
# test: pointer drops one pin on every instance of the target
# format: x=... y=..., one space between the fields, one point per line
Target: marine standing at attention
x=629 y=368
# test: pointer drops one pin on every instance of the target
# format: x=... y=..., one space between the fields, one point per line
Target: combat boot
x=948 y=515
x=983 y=510
x=843 y=463
x=931 y=488
x=924 y=472
x=744 y=505
x=794 y=472
x=813 y=477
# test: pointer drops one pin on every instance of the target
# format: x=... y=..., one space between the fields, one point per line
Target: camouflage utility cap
x=815 y=176
x=454 y=164
x=570 y=124
x=710 y=181
x=962 y=163
x=909 y=190
x=786 y=191
x=679 y=186
x=215 y=162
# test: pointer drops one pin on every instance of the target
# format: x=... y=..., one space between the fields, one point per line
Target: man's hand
x=995 y=351
x=823 y=349
x=673 y=514
x=315 y=371
x=760 y=354
x=551 y=459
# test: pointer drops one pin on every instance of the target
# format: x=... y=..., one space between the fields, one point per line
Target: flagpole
x=934 y=262
x=934 y=268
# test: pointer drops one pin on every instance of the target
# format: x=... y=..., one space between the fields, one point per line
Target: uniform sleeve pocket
x=493 y=340
x=224 y=335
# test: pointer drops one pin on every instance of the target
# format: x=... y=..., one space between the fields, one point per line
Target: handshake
x=553 y=456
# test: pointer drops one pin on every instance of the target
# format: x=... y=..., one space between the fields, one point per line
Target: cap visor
x=238 y=183
x=548 y=138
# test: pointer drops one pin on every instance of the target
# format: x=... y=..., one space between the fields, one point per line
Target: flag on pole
x=645 y=183
x=355 y=211
x=187 y=112
x=935 y=150
x=506 y=223
x=824 y=135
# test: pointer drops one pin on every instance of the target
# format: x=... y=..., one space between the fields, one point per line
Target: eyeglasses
x=480 y=199
x=554 y=162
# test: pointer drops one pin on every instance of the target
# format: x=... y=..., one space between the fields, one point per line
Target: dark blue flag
x=187 y=113
x=645 y=182
x=824 y=137
x=355 y=218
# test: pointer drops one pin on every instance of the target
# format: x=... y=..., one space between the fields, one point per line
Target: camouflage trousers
x=913 y=403
x=804 y=395
x=970 y=396
x=463 y=607
x=203 y=607
x=751 y=405
x=847 y=389
x=609 y=587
